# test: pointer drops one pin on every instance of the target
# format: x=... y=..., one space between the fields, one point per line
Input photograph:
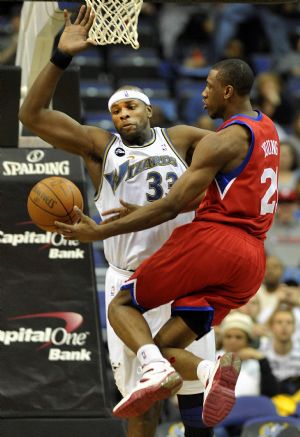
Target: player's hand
x=74 y=38
x=85 y=230
x=117 y=213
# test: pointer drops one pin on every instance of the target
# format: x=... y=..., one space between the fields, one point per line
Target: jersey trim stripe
x=225 y=180
x=131 y=286
x=108 y=147
x=190 y=308
x=257 y=118
x=168 y=139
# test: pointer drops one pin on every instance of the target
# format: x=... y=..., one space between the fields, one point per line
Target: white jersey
x=139 y=174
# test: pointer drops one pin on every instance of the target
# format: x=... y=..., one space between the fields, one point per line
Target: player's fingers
x=90 y=21
x=80 y=15
x=63 y=227
x=128 y=205
x=67 y=18
x=78 y=211
x=112 y=211
x=86 y=17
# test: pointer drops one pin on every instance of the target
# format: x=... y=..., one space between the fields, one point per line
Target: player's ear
x=149 y=111
x=228 y=91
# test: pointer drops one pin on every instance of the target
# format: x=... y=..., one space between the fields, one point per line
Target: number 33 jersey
x=139 y=175
x=247 y=196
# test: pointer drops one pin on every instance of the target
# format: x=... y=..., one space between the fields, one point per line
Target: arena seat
x=249 y=407
x=272 y=425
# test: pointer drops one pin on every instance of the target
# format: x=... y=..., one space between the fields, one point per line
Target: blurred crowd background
x=178 y=44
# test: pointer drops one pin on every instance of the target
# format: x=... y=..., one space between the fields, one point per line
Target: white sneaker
x=219 y=395
x=159 y=381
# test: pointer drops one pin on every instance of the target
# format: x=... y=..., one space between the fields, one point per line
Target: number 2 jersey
x=139 y=175
x=247 y=196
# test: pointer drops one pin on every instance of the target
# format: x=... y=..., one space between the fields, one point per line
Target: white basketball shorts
x=123 y=361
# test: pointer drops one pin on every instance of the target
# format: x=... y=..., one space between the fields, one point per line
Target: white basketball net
x=115 y=21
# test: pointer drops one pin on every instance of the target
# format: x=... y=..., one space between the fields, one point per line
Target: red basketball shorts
x=202 y=266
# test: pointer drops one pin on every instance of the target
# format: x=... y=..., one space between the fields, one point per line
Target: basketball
x=52 y=199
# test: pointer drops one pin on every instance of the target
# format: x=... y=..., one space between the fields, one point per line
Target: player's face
x=213 y=96
x=131 y=118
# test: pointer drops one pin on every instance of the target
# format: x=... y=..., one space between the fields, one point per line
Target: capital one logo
x=58 y=336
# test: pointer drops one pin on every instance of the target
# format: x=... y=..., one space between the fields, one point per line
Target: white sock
x=149 y=353
x=204 y=370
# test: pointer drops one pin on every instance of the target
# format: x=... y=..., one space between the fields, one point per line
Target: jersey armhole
x=171 y=145
x=107 y=149
x=238 y=170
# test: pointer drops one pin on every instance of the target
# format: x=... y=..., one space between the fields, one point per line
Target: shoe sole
x=221 y=397
x=141 y=400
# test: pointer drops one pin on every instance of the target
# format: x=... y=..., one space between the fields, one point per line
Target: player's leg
x=159 y=379
x=218 y=377
x=125 y=364
x=145 y=425
x=190 y=396
x=191 y=407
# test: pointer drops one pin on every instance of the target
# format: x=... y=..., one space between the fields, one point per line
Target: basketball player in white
x=138 y=164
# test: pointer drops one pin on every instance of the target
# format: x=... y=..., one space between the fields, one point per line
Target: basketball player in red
x=209 y=266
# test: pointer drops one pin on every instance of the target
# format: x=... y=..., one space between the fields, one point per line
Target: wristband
x=61 y=59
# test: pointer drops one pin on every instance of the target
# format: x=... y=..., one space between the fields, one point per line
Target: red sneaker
x=219 y=396
x=159 y=381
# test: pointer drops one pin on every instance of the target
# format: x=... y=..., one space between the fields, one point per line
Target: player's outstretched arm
x=55 y=127
x=211 y=155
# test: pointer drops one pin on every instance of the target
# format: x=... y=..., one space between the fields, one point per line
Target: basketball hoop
x=115 y=21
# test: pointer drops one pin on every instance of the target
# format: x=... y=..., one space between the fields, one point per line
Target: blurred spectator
x=256 y=377
x=288 y=293
x=289 y=64
x=289 y=172
x=236 y=49
x=9 y=37
x=284 y=236
x=267 y=294
x=281 y=350
x=252 y=309
x=230 y=17
x=191 y=23
x=270 y=96
x=296 y=126
x=297 y=192
x=294 y=137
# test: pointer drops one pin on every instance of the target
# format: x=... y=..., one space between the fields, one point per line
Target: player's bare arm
x=214 y=153
x=55 y=127
x=186 y=138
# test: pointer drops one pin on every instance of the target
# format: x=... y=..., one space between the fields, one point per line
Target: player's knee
x=123 y=298
x=198 y=322
x=190 y=407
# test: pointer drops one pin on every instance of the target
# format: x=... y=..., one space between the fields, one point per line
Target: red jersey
x=247 y=196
